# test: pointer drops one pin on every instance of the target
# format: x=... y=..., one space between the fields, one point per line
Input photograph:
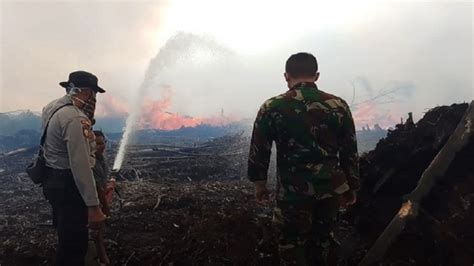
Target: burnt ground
x=443 y=232
x=182 y=205
x=175 y=222
x=186 y=223
x=190 y=205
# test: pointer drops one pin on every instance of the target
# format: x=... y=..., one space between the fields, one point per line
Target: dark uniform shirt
x=316 y=144
x=101 y=171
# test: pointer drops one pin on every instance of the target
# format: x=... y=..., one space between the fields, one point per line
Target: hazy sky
x=413 y=54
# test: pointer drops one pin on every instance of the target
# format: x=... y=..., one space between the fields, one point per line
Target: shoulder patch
x=85 y=122
x=86 y=132
x=87 y=129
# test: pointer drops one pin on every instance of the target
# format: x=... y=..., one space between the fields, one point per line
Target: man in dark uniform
x=70 y=186
x=317 y=162
x=101 y=170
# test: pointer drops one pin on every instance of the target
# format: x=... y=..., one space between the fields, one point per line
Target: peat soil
x=191 y=205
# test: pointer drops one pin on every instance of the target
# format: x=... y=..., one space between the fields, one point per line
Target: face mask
x=88 y=106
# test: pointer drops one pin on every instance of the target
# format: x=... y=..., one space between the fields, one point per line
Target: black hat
x=82 y=79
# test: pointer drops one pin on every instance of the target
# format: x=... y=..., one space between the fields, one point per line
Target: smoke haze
x=387 y=58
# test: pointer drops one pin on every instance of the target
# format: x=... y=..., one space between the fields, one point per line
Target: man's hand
x=261 y=192
x=96 y=218
x=109 y=191
x=348 y=198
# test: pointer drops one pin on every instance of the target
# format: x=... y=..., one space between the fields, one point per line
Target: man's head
x=82 y=86
x=100 y=142
x=301 y=67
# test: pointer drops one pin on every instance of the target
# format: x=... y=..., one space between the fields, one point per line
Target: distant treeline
x=22 y=130
x=11 y=123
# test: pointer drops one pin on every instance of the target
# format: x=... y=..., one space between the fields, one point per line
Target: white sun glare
x=253 y=26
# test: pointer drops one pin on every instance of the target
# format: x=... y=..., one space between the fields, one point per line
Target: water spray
x=180 y=46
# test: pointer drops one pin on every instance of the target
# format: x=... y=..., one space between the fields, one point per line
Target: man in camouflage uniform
x=317 y=162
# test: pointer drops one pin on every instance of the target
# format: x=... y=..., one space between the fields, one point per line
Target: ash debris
x=183 y=204
x=443 y=233
x=190 y=204
x=220 y=158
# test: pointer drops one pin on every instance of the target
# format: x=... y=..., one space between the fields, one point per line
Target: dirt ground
x=192 y=205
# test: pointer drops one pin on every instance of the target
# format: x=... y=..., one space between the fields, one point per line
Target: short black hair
x=99 y=133
x=301 y=65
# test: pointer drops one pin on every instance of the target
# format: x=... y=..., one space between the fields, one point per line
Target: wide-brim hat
x=82 y=79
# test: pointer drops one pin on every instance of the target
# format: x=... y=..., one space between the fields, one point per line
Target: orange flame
x=368 y=114
x=156 y=115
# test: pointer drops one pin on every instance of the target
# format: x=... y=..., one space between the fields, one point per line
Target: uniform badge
x=86 y=129
x=86 y=122
x=86 y=132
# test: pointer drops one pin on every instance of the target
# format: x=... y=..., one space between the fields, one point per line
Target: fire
x=370 y=114
x=156 y=114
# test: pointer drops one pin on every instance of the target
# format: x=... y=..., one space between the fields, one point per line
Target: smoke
x=182 y=46
x=382 y=106
x=371 y=114
x=156 y=115
x=423 y=49
x=111 y=106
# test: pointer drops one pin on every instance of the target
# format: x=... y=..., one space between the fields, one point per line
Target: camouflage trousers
x=305 y=231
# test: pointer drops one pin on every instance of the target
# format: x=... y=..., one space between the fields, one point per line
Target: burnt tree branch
x=435 y=171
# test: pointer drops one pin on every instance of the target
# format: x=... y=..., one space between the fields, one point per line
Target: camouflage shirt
x=315 y=140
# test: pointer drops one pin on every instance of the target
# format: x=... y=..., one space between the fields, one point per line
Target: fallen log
x=436 y=170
